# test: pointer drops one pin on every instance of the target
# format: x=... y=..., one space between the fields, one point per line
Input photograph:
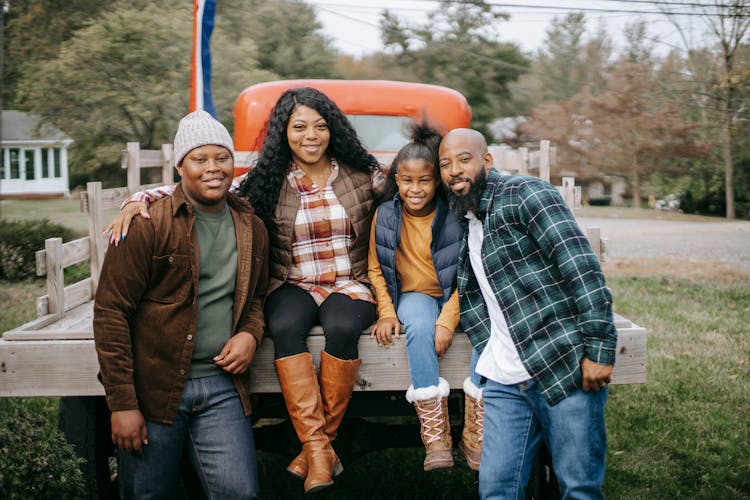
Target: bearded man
x=535 y=306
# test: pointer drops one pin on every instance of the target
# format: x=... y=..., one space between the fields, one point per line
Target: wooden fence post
x=97 y=240
x=524 y=168
x=134 y=166
x=594 y=235
x=569 y=192
x=55 y=284
x=544 y=166
x=167 y=172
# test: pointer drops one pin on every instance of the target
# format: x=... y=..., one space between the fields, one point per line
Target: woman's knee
x=342 y=342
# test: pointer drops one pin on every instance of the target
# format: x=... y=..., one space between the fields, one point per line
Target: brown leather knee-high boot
x=337 y=378
x=304 y=403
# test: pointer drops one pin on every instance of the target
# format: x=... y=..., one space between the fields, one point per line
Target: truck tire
x=84 y=420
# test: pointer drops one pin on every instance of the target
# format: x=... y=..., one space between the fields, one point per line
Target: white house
x=33 y=158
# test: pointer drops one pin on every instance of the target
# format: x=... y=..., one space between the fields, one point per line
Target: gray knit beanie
x=199 y=129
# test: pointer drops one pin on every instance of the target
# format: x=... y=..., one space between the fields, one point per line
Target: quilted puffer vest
x=447 y=232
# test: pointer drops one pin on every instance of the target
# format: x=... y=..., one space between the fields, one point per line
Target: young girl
x=414 y=245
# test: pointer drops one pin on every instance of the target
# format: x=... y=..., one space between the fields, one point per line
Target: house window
x=3 y=161
x=45 y=163
x=15 y=168
x=58 y=167
x=29 y=164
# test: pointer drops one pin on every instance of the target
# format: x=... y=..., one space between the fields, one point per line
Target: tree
x=630 y=129
x=727 y=21
x=125 y=77
x=288 y=38
x=34 y=31
x=566 y=64
x=458 y=47
x=559 y=63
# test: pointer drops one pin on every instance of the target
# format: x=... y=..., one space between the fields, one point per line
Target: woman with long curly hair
x=312 y=185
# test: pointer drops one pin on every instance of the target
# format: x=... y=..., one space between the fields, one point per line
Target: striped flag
x=200 y=76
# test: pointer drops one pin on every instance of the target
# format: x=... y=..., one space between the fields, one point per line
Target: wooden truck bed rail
x=60 y=360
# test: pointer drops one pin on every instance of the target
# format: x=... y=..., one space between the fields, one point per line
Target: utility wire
x=557 y=8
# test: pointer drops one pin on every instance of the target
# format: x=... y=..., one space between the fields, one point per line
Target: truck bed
x=57 y=358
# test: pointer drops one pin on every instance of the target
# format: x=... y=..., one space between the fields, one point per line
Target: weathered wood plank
x=65 y=368
x=594 y=235
x=97 y=241
x=37 y=324
x=69 y=367
x=55 y=286
x=524 y=166
x=167 y=167
x=75 y=295
x=133 y=165
x=73 y=252
x=544 y=160
x=630 y=363
x=36 y=335
x=78 y=318
x=568 y=192
x=151 y=158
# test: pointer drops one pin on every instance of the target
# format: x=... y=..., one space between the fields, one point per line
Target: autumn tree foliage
x=630 y=129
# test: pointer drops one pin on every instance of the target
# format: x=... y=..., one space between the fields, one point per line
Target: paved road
x=719 y=242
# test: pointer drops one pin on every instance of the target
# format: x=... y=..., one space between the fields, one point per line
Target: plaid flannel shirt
x=322 y=237
x=547 y=281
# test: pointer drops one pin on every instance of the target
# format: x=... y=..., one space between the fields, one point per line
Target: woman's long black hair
x=425 y=141
x=263 y=184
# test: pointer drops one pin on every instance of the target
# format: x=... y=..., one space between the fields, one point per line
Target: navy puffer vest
x=447 y=233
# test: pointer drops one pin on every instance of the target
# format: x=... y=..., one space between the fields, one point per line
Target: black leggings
x=291 y=312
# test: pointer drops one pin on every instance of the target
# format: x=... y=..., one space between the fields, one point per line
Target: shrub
x=19 y=240
x=35 y=459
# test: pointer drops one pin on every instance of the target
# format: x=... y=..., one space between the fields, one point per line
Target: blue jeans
x=418 y=312
x=517 y=418
x=212 y=429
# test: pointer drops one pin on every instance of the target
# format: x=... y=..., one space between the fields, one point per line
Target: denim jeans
x=418 y=312
x=517 y=418
x=211 y=427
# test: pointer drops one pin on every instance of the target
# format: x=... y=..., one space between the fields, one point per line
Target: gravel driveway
x=720 y=247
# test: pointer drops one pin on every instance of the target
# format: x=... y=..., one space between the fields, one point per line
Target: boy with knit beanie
x=178 y=317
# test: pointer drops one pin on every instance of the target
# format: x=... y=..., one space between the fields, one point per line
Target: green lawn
x=62 y=211
x=686 y=433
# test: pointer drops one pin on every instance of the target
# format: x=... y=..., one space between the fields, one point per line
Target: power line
x=668 y=3
x=557 y=8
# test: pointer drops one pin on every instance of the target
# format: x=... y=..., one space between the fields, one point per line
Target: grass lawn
x=686 y=432
x=63 y=211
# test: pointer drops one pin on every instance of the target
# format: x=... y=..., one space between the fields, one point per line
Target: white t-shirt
x=499 y=360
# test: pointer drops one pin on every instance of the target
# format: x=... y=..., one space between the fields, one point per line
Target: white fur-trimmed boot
x=470 y=446
x=431 y=404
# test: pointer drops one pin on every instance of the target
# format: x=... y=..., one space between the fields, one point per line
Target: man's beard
x=461 y=204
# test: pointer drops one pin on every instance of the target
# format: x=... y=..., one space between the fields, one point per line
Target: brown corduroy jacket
x=145 y=310
x=354 y=191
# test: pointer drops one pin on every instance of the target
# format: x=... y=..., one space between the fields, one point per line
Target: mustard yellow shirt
x=414 y=269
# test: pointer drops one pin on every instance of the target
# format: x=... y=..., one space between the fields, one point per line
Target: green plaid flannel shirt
x=547 y=281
